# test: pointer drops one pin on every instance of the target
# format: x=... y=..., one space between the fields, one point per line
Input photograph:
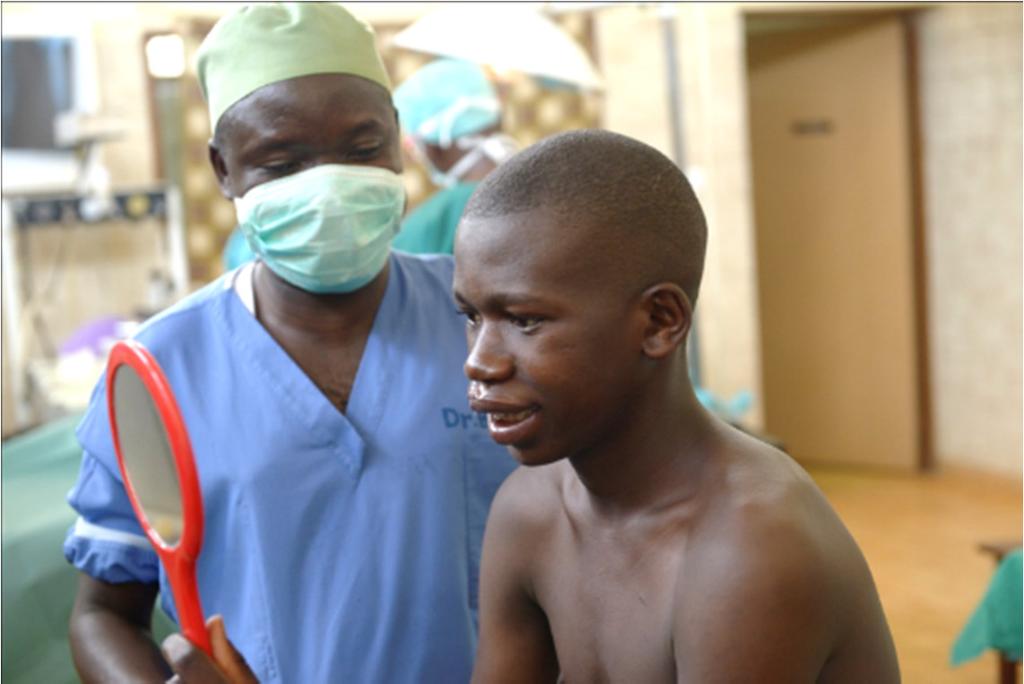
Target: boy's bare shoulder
x=769 y=555
x=767 y=536
x=757 y=489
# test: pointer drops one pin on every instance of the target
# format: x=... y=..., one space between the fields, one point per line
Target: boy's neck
x=655 y=463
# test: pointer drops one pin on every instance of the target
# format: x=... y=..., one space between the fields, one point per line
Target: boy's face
x=554 y=336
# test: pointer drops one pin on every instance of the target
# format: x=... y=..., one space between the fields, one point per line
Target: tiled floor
x=920 y=536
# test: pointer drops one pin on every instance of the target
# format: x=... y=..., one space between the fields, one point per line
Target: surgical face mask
x=497 y=147
x=327 y=229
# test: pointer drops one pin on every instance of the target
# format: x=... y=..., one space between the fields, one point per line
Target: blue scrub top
x=338 y=547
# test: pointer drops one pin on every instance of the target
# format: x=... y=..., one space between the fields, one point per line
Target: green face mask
x=325 y=229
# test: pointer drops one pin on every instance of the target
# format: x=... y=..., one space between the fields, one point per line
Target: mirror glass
x=147 y=455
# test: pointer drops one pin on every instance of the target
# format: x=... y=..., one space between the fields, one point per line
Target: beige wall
x=715 y=110
x=970 y=58
x=710 y=50
x=971 y=108
x=970 y=67
x=124 y=95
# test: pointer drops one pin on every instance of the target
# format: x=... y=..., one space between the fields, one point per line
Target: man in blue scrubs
x=345 y=481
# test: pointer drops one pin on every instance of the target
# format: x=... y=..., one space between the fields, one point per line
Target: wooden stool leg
x=1007 y=671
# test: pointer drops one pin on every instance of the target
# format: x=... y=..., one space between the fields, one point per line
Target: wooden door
x=830 y=141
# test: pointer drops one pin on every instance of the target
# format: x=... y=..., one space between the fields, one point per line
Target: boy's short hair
x=629 y=193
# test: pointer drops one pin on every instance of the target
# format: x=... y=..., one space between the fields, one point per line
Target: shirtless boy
x=645 y=540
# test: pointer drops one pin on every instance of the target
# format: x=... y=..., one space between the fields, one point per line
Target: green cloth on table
x=38 y=469
x=430 y=227
x=996 y=622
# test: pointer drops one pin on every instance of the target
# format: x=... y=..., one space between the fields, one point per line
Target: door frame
x=919 y=224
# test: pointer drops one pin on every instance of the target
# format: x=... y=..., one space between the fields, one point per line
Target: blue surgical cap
x=446 y=100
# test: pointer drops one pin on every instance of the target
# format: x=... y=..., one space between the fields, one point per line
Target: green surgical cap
x=445 y=100
x=257 y=45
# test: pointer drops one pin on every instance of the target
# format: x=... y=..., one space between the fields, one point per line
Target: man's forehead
x=309 y=106
x=341 y=91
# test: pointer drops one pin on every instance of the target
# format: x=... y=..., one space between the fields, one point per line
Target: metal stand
x=23 y=213
x=675 y=106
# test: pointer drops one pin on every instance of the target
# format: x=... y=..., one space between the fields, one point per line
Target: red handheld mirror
x=155 y=457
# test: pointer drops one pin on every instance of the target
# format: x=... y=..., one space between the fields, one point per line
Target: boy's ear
x=220 y=168
x=668 y=316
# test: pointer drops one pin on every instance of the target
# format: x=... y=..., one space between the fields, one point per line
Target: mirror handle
x=186 y=600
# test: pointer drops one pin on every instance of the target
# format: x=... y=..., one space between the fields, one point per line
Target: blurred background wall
x=968 y=68
x=967 y=74
x=970 y=71
x=860 y=166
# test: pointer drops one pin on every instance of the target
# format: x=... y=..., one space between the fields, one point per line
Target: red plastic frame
x=179 y=560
